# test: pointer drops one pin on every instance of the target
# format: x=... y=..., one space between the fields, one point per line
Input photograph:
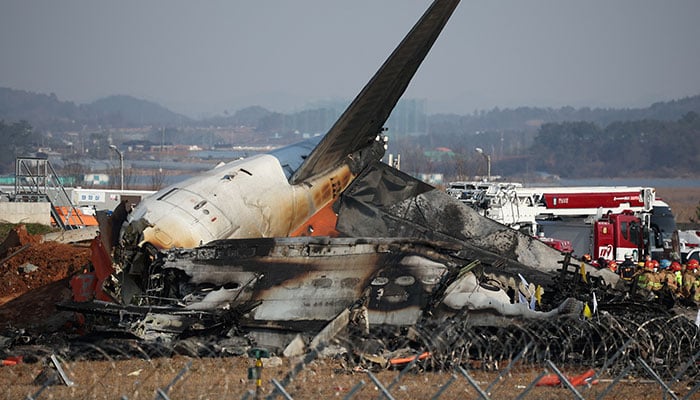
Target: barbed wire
x=625 y=343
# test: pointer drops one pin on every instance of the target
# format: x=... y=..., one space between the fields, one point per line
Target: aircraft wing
x=362 y=121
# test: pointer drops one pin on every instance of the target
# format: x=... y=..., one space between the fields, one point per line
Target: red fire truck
x=604 y=221
x=616 y=235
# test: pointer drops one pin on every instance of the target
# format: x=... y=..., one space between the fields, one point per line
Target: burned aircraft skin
x=214 y=252
x=299 y=284
x=305 y=280
x=386 y=202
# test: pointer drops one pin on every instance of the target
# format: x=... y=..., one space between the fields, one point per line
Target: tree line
x=648 y=148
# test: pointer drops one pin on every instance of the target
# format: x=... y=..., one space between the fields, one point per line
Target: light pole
x=121 y=166
x=488 y=162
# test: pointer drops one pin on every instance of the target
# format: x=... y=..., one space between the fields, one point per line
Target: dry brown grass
x=683 y=201
x=216 y=378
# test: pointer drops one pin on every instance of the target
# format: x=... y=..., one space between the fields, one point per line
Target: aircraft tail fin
x=362 y=121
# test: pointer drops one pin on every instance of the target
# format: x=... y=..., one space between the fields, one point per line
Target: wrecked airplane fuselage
x=214 y=251
x=243 y=199
x=299 y=284
x=287 y=281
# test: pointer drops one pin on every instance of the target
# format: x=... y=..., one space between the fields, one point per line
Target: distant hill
x=529 y=118
x=249 y=116
x=126 y=110
x=47 y=112
x=40 y=110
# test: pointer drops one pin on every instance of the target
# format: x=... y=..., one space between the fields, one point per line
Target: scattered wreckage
x=321 y=236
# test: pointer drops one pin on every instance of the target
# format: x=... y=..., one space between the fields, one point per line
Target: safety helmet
x=628 y=256
x=656 y=264
x=676 y=266
x=612 y=265
x=587 y=257
x=692 y=264
x=648 y=265
x=664 y=263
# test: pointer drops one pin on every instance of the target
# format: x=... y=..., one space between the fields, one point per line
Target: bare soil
x=29 y=263
x=321 y=379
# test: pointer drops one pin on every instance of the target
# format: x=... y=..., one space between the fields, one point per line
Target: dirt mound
x=17 y=237
x=29 y=263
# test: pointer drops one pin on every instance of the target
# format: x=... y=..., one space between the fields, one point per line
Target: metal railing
x=37 y=181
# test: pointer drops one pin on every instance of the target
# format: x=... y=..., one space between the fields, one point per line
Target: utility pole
x=488 y=162
x=121 y=166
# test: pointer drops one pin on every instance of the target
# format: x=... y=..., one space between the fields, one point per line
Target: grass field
x=685 y=203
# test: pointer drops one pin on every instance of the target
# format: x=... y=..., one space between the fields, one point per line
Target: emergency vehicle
x=603 y=221
x=693 y=254
x=689 y=245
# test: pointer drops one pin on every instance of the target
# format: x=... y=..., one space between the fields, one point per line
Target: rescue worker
x=627 y=268
x=675 y=268
x=694 y=263
x=667 y=277
x=628 y=260
x=690 y=281
x=602 y=263
x=648 y=279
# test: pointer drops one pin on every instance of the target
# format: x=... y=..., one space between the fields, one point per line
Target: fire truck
x=603 y=221
x=689 y=244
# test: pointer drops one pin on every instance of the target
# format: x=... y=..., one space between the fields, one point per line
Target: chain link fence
x=604 y=357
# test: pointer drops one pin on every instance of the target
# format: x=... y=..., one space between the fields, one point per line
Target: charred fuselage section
x=288 y=280
x=300 y=284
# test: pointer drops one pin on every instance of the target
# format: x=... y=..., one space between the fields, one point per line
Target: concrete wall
x=25 y=213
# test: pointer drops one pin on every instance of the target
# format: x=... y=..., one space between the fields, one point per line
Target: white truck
x=572 y=213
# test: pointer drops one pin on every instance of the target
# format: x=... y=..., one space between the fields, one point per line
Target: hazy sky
x=204 y=57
